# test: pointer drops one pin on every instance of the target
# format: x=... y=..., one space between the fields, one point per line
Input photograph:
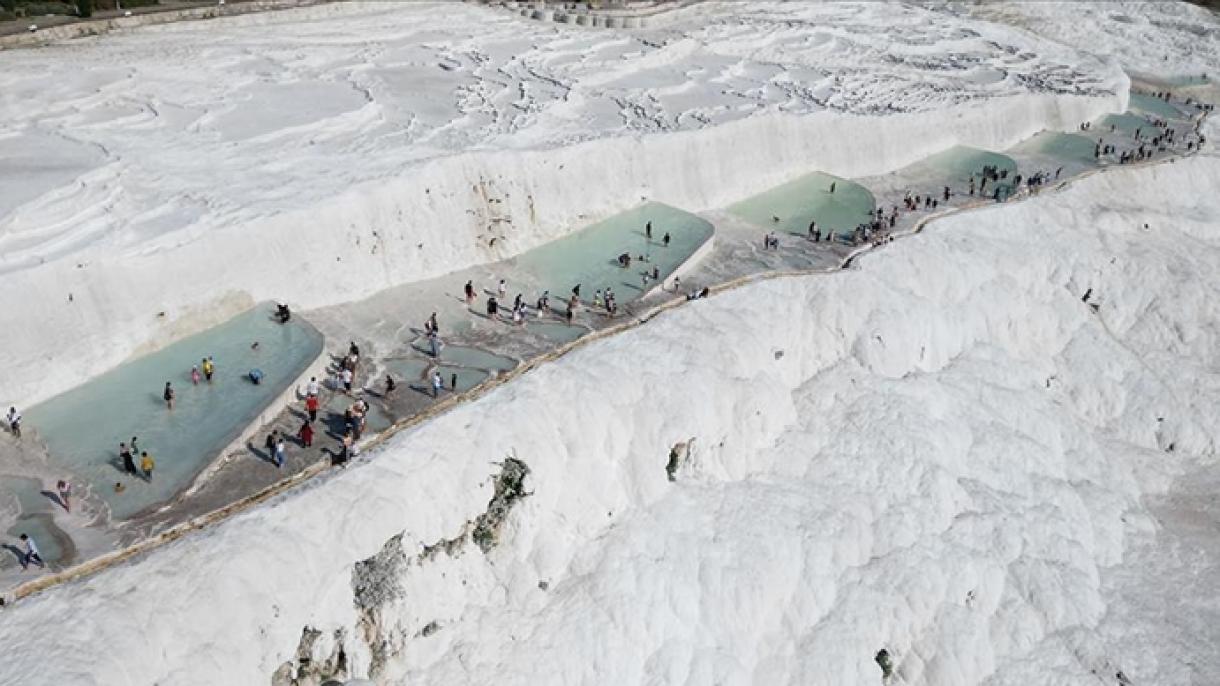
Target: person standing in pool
x=648 y=231
x=168 y=394
x=437 y=383
x=14 y=421
x=30 y=554
x=665 y=239
x=65 y=494
x=208 y=369
x=129 y=463
x=470 y=294
x=832 y=186
x=146 y=465
x=453 y=382
x=195 y=376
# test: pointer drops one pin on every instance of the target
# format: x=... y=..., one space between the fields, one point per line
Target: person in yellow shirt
x=146 y=465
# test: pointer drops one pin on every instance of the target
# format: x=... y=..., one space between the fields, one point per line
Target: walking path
x=51 y=28
x=388 y=329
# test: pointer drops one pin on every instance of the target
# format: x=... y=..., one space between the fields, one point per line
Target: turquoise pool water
x=83 y=427
x=560 y=333
x=1123 y=123
x=1069 y=147
x=35 y=521
x=806 y=199
x=466 y=378
x=406 y=371
x=588 y=257
x=471 y=365
x=48 y=537
x=957 y=164
x=477 y=359
x=1155 y=106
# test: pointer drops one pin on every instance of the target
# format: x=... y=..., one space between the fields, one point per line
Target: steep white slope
x=943 y=452
x=322 y=155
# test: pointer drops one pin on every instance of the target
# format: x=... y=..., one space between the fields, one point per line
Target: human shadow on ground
x=423 y=390
x=117 y=462
x=53 y=497
x=334 y=425
x=17 y=552
x=260 y=454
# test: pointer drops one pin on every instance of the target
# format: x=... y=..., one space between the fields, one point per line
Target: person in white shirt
x=31 y=553
x=14 y=421
x=312 y=388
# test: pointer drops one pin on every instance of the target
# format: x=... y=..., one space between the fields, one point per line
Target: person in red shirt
x=306 y=434
x=311 y=404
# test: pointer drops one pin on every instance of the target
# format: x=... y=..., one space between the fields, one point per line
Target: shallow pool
x=1123 y=123
x=471 y=365
x=407 y=370
x=83 y=427
x=1069 y=147
x=466 y=378
x=560 y=333
x=789 y=208
x=53 y=544
x=588 y=256
x=28 y=493
x=36 y=519
x=476 y=358
x=1155 y=106
x=957 y=164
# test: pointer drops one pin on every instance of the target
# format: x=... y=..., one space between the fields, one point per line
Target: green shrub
x=84 y=8
x=6 y=15
x=9 y=6
x=38 y=9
